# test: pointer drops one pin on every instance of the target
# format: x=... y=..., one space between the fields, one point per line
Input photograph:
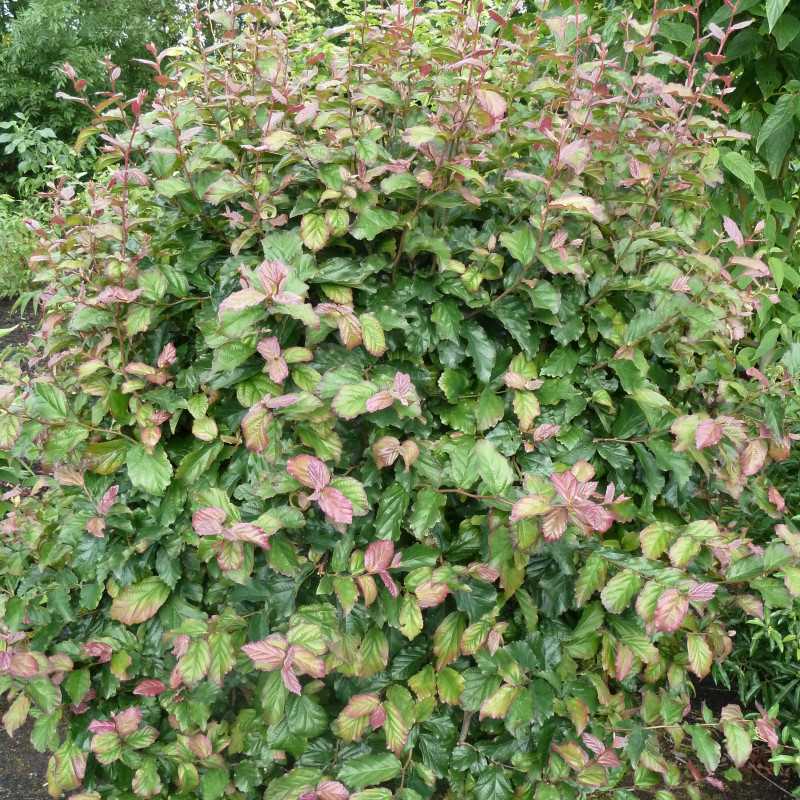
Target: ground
x=22 y=769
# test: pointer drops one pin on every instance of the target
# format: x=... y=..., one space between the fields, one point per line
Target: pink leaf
x=754 y=267
x=99 y=650
x=753 y=457
x=776 y=498
x=290 y=680
x=307 y=663
x=379 y=401
x=278 y=370
x=309 y=470
x=703 y=592
x=593 y=744
x=389 y=583
x=378 y=556
x=623 y=662
x=385 y=451
x=127 y=721
x=102 y=726
x=532 y=506
x=609 y=759
x=732 y=229
x=767 y=730
x=491 y=102
x=269 y=348
x=150 y=687
x=431 y=593
x=335 y=505
x=167 y=356
x=554 y=524
x=708 y=433
x=245 y=298
x=267 y=654
x=247 y=532
x=107 y=500
x=593 y=515
x=208 y=521
x=377 y=718
x=332 y=790
x=255 y=427
x=671 y=610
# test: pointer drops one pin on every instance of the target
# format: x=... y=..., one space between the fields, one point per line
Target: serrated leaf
x=447 y=639
x=619 y=591
x=369 y=770
x=149 y=472
x=139 y=601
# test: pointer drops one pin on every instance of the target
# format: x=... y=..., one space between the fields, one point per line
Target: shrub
x=16 y=244
x=388 y=404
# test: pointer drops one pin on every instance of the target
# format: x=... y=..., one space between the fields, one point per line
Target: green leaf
x=150 y=472
x=372 y=222
x=427 y=512
x=314 y=231
x=306 y=718
x=392 y=508
x=521 y=243
x=738 y=742
x=139 y=601
x=213 y=783
x=372 y=332
x=619 y=591
x=224 y=188
x=194 y=663
x=740 y=167
x=774 y=10
x=780 y=117
x=369 y=770
x=494 y=470
x=489 y=410
x=292 y=784
x=786 y=30
x=447 y=639
x=493 y=783
x=48 y=402
x=708 y=751
x=481 y=350
x=351 y=400
x=43 y=693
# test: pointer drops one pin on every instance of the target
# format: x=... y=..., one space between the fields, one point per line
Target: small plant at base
x=385 y=406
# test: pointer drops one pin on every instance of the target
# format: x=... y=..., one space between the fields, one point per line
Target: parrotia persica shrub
x=380 y=430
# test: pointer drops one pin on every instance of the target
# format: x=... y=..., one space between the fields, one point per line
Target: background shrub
x=391 y=401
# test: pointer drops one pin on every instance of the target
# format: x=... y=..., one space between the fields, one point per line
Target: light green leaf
x=708 y=751
x=447 y=639
x=740 y=167
x=489 y=410
x=774 y=10
x=149 y=472
x=139 y=601
x=314 y=232
x=521 y=243
x=619 y=591
x=494 y=469
x=351 y=400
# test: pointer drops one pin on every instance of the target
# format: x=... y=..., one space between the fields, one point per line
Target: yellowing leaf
x=139 y=601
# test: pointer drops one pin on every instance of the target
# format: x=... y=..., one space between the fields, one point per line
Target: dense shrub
x=387 y=409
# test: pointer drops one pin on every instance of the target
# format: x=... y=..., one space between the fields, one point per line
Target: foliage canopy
x=389 y=399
